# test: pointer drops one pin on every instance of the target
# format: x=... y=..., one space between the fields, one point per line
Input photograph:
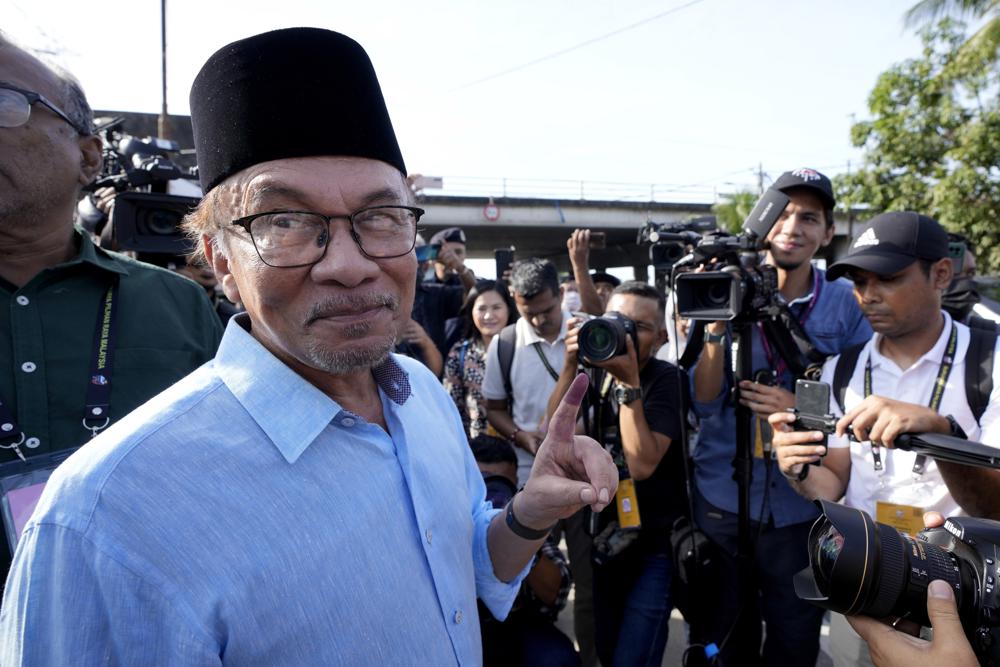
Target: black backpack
x=978 y=367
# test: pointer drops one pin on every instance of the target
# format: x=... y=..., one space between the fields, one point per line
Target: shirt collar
x=934 y=355
x=291 y=411
x=531 y=337
x=99 y=257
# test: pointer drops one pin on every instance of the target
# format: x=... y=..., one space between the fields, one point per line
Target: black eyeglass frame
x=246 y=221
x=32 y=97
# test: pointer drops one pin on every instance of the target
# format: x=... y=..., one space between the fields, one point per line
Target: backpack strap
x=505 y=354
x=979 y=368
x=842 y=372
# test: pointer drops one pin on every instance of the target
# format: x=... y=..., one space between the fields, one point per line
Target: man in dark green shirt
x=86 y=335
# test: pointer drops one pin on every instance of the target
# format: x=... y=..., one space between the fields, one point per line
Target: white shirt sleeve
x=493 y=388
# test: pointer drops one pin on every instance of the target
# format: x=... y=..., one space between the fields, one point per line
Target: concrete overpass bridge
x=539 y=227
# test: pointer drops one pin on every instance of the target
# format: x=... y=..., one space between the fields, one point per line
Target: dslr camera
x=735 y=284
x=602 y=338
x=858 y=566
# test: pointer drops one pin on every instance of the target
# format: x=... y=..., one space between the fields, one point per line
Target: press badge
x=904 y=518
x=628 y=504
x=762 y=438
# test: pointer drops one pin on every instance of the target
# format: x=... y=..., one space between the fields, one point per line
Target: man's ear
x=217 y=259
x=942 y=271
x=91 y=158
x=830 y=229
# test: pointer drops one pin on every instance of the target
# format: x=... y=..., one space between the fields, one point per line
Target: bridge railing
x=565 y=189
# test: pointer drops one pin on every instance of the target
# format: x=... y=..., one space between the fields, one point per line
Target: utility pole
x=760 y=178
x=163 y=123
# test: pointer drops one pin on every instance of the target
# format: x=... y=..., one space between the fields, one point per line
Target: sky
x=692 y=96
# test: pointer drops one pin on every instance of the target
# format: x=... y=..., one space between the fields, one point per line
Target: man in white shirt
x=539 y=350
x=900 y=268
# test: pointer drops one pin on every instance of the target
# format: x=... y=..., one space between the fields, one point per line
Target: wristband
x=801 y=476
x=714 y=339
x=519 y=528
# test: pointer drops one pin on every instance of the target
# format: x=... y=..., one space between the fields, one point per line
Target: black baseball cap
x=893 y=242
x=808 y=179
x=605 y=277
x=449 y=235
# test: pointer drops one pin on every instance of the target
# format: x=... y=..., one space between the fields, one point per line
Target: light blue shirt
x=242 y=517
x=834 y=323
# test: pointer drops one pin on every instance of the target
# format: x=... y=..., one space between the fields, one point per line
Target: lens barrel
x=602 y=338
x=858 y=566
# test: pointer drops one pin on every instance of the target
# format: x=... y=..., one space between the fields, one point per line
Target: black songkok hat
x=289 y=93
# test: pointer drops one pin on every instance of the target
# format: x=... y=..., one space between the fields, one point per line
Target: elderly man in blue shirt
x=307 y=497
x=780 y=519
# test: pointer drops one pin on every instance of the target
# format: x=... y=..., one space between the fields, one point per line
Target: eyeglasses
x=288 y=239
x=16 y=103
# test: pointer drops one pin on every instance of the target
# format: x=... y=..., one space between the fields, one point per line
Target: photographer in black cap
x=308 y=497
x=449 y=265
x=911 y=377
x=780 y=518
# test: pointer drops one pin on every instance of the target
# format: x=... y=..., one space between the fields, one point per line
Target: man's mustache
x=351 y=304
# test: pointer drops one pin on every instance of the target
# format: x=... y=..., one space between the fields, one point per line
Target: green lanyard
x=947 y=361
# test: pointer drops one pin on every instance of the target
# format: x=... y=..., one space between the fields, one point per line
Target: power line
x=575 y=47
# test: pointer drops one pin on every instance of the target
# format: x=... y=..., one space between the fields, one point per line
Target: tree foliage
x=932 y=143
x=733 y=210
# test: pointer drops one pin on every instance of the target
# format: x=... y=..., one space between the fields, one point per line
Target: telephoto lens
x=603 y=338
x=858 y=566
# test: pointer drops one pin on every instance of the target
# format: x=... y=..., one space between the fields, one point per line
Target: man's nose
x=344 y=262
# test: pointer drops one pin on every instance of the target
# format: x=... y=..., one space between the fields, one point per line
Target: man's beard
x=338 y=361
x=783 y=264
x=342 y=362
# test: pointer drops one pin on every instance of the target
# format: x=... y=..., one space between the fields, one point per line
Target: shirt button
x=347 y=421
x=429 y=535
x=6 y=427
x=22 y=300
x=28 y=367
x=458 y=617
x=31 y=443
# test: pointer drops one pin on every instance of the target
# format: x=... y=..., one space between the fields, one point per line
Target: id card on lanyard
x=22 y=480
x=909 y=518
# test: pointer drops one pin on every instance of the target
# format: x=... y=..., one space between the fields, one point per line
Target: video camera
x=858 y=566
x=669 y=240
x=736 y=284
x=146 y=217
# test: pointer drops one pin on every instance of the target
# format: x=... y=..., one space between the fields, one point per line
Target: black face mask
x=960 y=297
x=499 y=489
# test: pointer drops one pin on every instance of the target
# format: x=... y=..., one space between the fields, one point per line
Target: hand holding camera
x=892 y=648
x=609 y=342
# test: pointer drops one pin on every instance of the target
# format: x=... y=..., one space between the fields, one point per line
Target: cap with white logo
x=893 y=242
x=809 y=179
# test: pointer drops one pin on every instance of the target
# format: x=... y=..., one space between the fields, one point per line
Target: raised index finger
x=563 y=423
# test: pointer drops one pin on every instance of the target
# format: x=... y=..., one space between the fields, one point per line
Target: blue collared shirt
x=834 y=323
x=242 y=517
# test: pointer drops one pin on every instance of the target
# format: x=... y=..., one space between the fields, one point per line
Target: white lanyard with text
x=947 y=361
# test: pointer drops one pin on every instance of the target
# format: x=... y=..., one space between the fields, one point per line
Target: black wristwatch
x=716 y=339
x=625 y=395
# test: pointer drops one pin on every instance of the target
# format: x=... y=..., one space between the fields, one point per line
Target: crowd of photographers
x=889 y=329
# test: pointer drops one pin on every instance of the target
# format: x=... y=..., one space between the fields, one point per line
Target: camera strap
x=944 y=370
x=97 y=401
x=797 y=353
x=541 y=355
